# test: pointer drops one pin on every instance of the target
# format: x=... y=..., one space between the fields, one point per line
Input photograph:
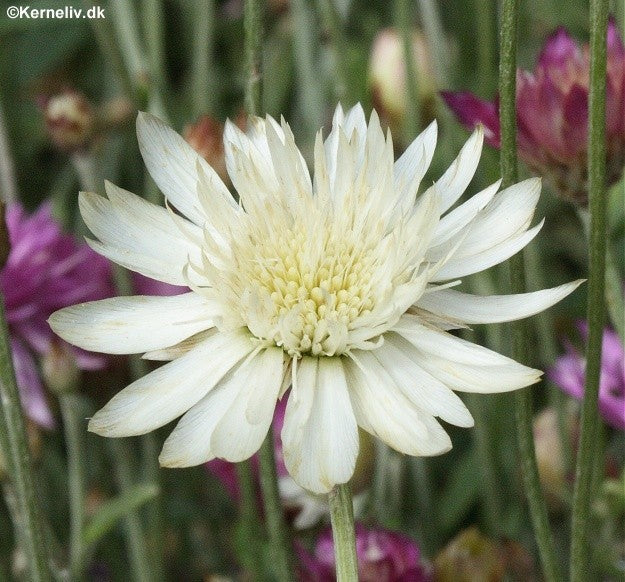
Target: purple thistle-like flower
x=45 y=271
x=383 y=556
x=552 y=113
x=569 y=374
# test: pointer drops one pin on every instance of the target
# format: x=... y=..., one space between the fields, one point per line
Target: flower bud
x=387 y=77
x=469 y=557
x=205 y=136
x=59 y=369
x=70 y=120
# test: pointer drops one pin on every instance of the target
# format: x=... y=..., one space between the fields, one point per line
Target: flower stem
x=251 y=556
x=14 y=444
x=523 y=402
x=73 y=414
x=596 y=282
x=342 y=518
x=404 y=22
x=122 y=461
x=111 y=50
x=8 y=184
x=613 y=284
x=203 y=90
x=332 y=23
x=278 y=533
x=253 y=26
x=305 y=50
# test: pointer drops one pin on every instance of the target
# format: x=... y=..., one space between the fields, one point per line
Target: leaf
x=115 y=509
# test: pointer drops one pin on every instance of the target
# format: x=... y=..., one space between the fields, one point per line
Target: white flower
x=337 y=285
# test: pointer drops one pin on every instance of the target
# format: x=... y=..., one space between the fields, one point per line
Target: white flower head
x=337 y=285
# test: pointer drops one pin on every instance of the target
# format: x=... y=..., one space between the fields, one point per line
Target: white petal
x=242 y=429
x=172 y=164
x=144 y=239
x=130 y=325
x=421 y=388
x=384 y=411
x=414 y=163
x=459 y=217
x=467 y=308
x=462 y=365
x=320 y=448
x=172 y=389
x=459 y=266
x=454 y=181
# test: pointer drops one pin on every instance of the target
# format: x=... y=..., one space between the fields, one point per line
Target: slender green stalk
x=523 y=402
x=342 y=518
x=122 y=461
x=613 y=283
x=485 y=39
x=14 y=444
x=8 y=185
x=154 y=22
x=253 y=25
x=332 y=22
x=111 y=50
x=549 y=350
x=251 y=557
x=203 y=86
x=125 y=22
x=72 y=411
x=436 y=39
x=582 y=497
x=404 y=22
x=305 y=51
x=274 y=514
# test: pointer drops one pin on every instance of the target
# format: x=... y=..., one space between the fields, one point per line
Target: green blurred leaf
x=115 y=509
x=461 y=493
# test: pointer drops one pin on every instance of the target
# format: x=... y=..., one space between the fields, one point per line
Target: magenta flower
x=552 y=113
x=569 y=374
x=383 y=556
x=46 y=270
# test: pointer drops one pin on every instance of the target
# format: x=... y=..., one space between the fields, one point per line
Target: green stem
x=203 y=86
x=111 y=50
x=485 y=40
x=582 y=497
x=274 y=514
x=154 y=21
x=404 y=22
x=549 y=350
x=332 y=23
x=72 y=411
x=8 y=184
x=614 y=299
x=14 y=444
x=342 y=518
x=253 y=25
x=436 y=39
x=523 y=400
x=122 y=462
x=305 y=50
x=127 y=28
x=251 y=557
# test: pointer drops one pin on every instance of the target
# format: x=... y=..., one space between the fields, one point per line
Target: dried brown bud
x=70 y=120
x=206 y=138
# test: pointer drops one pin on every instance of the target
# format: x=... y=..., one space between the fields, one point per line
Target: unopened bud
x=387 y=77
x=206 y=137
x=468 y=557
x=70 y=120
x=59 y=369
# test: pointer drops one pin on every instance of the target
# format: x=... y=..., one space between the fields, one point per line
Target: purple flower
x=569 y=374
x=552 y=113
x=45 y=270
x=383 y=556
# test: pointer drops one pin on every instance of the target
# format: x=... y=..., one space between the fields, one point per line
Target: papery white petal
x=461 y=365
x=468 y=309
x=384 y=411
x=172 y=389
x=454 y=181
x=130 y=325
x=320 y=449
x=172 y=164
